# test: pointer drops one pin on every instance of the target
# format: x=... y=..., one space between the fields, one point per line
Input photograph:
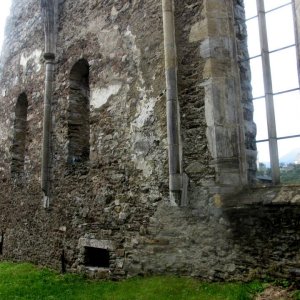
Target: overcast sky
x=4 y=11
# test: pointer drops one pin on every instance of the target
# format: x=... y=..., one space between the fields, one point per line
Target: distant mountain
x=290 y=157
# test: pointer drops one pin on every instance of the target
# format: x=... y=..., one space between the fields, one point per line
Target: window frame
x=269 y=94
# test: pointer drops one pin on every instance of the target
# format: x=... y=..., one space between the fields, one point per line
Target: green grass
x=25 y=281
x=297 y=295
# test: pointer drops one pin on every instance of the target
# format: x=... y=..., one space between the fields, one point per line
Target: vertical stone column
x=223 y=109
x=266 y=67
x=49 y=10
x=46 y=150
x=173 y=116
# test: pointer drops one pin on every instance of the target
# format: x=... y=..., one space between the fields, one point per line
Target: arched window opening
x=78 y=113
x=19 y=140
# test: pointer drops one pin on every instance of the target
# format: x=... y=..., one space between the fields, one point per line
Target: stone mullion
x=296 y=11
x=273 y=145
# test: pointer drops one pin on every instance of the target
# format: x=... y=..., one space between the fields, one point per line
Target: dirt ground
x=275 y=293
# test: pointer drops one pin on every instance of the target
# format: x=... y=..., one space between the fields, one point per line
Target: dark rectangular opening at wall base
x=96 y=257
x=1 y=242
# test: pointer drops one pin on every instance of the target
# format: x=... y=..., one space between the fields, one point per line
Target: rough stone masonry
x=107 y=210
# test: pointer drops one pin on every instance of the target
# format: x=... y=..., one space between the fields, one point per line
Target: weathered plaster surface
x=99 y=96
x=35 y=57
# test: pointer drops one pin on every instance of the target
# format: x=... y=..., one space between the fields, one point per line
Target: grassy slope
x=25 y=281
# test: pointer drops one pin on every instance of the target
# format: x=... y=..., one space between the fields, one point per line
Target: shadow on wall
x=268 y=237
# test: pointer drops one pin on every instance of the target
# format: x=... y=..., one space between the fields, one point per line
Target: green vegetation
x=290 y=174
x=25 y=281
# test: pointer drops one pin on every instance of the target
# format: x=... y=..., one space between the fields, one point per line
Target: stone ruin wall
x=118 y=200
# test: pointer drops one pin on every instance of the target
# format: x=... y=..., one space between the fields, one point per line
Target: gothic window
x=272 y=44
x=78 y=113
x=19 y=136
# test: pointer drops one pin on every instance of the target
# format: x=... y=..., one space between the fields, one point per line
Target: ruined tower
x=127 y=142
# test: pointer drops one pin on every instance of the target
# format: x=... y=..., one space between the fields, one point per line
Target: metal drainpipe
x=173 y=116
x=48 y=10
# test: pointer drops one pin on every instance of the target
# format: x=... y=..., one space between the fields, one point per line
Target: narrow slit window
x=19 y=136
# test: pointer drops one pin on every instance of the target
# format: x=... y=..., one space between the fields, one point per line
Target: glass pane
x=289 y=159
x=257 y=79
x=287 y=109
x=284 y=69
x=263 y=162
x=260 y=119
x=270 y=4
x=280 y=34
x=253 y=37
x=250 y=8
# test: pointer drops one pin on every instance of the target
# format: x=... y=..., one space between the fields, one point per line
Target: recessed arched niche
x=78 y=113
